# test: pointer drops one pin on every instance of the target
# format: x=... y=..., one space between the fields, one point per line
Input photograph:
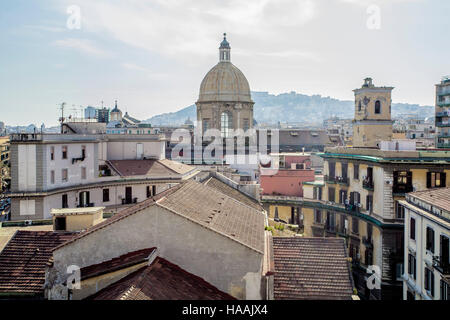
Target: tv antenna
x=61 y=107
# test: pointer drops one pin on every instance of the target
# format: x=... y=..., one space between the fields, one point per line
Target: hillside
x=293 y=107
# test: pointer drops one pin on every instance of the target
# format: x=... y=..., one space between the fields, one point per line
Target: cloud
x=82 y=45
x=184 y=28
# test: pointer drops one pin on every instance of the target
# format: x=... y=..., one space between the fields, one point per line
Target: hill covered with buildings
x=293 y=107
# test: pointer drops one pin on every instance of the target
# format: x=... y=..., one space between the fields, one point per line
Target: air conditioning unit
x=28 y=222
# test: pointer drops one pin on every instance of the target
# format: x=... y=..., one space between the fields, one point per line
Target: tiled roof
x=124 y=213
x=439 y=197
x=205 y=206
x=156 y=168
x=232 y=192
x=176 y=166
x=161 y=280
x=24 y=259
x=218 y=212
x=126 y=260
x=311 y=269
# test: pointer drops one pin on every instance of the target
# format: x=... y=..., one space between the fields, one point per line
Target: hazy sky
x=152 y=55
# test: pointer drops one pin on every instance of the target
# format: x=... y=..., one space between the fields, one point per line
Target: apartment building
x=427 y=251
x=51 y=171
x=4 y=163
x=281 y=182
x=363 y=186
x=443 y=113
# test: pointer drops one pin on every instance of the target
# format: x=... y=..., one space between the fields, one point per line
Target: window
x=402 y=182
x=356 y=171
x=64 y=175
x=331 y=221
x=317 y=193
x=412 y=229
x=430 y=239
x=368 y=257
x=105 y=195
x=412 y=266
x=205 y=125
x=318 y=216
x=344 y=169
x=445 y=290
x=60 y=223
x=369 y=203
x=444 y=252
x=399 y=211
x=429 y=281
x=436 y=179
x=359 y=106
x=83 y=152
x=64 y=201
x=331 y=195
x=83 y=200
x=331 y=169
x=64 y=152
x=151 y=191
x=342 y=196
x=246 y=124
x=52 y=153
x=52 y=177
x=377 y=107
x=226 y=124
x=355 y=225
x=83 y=172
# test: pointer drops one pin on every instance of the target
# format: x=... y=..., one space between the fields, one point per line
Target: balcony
x=368 y=184
x=329 y=179
x=443 y=103
x=443 y=114
x=353 y=207
x=24 y=137
x=442 y=124
x=443 y=145
x=402 y=189
x=444 y=135
x=439 y=264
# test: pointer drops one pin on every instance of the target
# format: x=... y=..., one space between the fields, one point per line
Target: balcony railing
x=442 y=124
x=336 y=179
x=443 y=145
x=402 y=189
x=443 y=103
x=442 y=266
x=443 y=114
x=368 y=184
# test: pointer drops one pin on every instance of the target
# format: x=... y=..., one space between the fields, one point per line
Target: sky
x=152 y=55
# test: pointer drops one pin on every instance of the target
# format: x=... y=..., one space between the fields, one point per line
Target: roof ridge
x=124 y=214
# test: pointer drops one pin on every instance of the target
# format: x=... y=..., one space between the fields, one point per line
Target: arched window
x=377 y=107
x=359 y=106
x=226 y=124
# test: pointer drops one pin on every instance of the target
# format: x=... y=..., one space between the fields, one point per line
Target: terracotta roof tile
x=150 y=168
x=124 y=213
x=218 y=212
x=126 y=260
x=311 y=269
x=439 y=197
x=232 y=192
x=161 y=280
x=24 y=259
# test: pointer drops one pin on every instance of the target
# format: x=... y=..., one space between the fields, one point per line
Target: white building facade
x=426 y=252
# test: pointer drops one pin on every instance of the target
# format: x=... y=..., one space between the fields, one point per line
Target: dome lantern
x=224 y=50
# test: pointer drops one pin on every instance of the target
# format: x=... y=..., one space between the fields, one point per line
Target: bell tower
x=372 y=122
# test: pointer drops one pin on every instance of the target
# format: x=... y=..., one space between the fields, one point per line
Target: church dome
x=224 y=82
